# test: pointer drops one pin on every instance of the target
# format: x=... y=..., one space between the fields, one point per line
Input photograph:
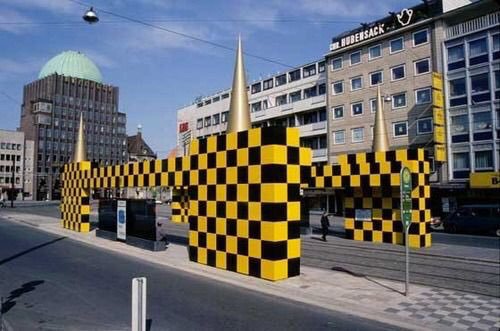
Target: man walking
x=325 y=223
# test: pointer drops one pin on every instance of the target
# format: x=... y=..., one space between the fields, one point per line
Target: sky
x=159 y=72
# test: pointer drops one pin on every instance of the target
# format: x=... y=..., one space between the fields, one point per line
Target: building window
x=295 y=96
x=374 y=52
x=310 y=70
x=457 y=92
x=338 y=112
x=281 y=100
x=376 y=78
x=225 y=96
x=461 y=165
x=420 y=37
x=459 y=128
x=373 y=105
x=337 y=63
x=483 y=160
x=257 y=106
x=399 y=100
x=321 y=89
x=482 y=124
x=400 y=129
x=355 y=57
x=294 y=75
x=280 y=80
x=356 y=83
x=357 y=135
x=396 y=45
x=199 y=123
x=339 y=137
x=423 y=96
x=216 y=99
x=422 y=66
x=424 y=125
x=398 y=72
x=268 y=84
x=321 y=66
x=338 y=87
x=357 y=109
x=478 y=51
x=310 y=92
x=223 y=117
x=480 y=88
x=456 y=57
x=256 y=88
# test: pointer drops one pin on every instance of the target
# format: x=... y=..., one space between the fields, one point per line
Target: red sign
x=183 y=127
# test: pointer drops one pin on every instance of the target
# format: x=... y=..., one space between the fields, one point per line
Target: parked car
x=474 y=218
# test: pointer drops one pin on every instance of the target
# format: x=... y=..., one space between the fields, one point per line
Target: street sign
x=406 y=197
x=121 y=220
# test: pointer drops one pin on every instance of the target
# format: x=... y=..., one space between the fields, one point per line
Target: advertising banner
x=121 y=220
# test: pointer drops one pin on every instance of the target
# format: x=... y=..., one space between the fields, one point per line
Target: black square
x=293 y=230
x=242 y=174
x=193 y=162
x=254 y=267
x=185 y=178
x=254 y=229
x=221 y=209
x=273 y=173
x=336 y=170
x=242 y=139
x=221 y=243
x=231 y=160
x=231 y=192
x=387 y=214
x=349 y=234
x=221 y=143
x=171 y=178
x=211 y=160
x=254 y=192
x=202 y=208
x=367 y=235
x=254 y=155
x=242 y=210
x=178 y=163
x=193 y=192
x=202 y=146
x=243 y=246
x=202 y=177
x=231 y=262
x=274 y=250
x=387 y=237
x=202 y=239
x=294 y=267
x=293 y=155
x=193 y=222
x=211 y=192
x=141 y=167
x=273 y=135
x=221 y=175
x=211 y=225
x=211 y=257
x=193 y=253
x=272 y=212
x=231 y=227
x=293 y=192
x=377 y=225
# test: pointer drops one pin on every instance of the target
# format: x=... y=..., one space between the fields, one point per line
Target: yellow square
x=231 y=209
x=193 y=207
x=387 y=226
x=84 y=227
x=254 y=174
x=232 y=244
x=273 y=154
x=211 y=144
x=220 y=226
x=292 y=136
x=320 y=182
x=242 y=228
x=305 y=156
x=202 y=192
x=293 y=211
x=367 y=226
x=242 y=192
x=254 y=211
x=194 y=147
x=242 y=264
x=202 y=224
x=293 y=174
x=355 y=180
x=193 y=238
x=202 y=255
x=220 y=159
x=254 y=137
x=231 y=175
x=141 y=181
x=336 y=181
x=220 y=260
x=377 y=236
x=374 y=180
x=178 y=178
x=274 y=270
x=211 y=241
x=377 y=214
x=211 y=176
x=242 y=157
x=293 y=248
x=367 y=203
x=157 y=166
x=202 y=161
x=349 y=223
x=358 y=235
x=220 y=192
x=211 y=209
x=186 y=163
x=254 y=248
x=231 y=140
x=193 y=177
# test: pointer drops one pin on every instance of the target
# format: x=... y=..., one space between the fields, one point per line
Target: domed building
x=70 y=83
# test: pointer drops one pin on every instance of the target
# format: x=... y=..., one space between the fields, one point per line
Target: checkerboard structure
x=75 y=204
x=240 y=193
x=371 y=181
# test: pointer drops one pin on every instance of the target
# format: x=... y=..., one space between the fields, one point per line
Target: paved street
x=54 y=283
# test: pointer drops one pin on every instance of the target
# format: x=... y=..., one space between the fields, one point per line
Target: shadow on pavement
x=358 y=275
x=17 y=293
x=13 y=257
x=171 y=238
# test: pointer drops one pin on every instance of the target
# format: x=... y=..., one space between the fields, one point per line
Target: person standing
x=325 y=223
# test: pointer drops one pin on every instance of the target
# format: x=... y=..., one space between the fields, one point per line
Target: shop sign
x=183 y=127
x=363 y=215
x=485 y=180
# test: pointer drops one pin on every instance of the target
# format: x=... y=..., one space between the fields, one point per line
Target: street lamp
x=90 y=16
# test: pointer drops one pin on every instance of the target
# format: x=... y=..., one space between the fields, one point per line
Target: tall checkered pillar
x=75 y=196
x=244 y=210
x=180 y=205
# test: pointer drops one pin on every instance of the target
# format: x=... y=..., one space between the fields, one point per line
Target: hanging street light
x=90 y=16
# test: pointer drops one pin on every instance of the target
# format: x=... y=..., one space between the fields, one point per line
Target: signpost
x=139 y=304
x=121 y=220
x=406 y=207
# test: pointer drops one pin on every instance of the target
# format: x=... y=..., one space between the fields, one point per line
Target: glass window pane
x=338 y=112
x=420 y=37
x=356 y=83
x=423 y=96
x=355 y=58
x=337 y=63
x=396 y=45
x=357 y=109
x=400 y=129
x=375 y=51
x=478 y=47
x=457 y=87
x=376 y=78
x=460 y=161
x=398 y=72
x=459 y=124
x=482 y=121
x=496 y=42
x=424 y=125
x=480 y=83
x=422 y=66
x=483 y=159
x=455 y=53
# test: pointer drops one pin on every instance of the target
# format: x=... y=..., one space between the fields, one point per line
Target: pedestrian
x=325 y=223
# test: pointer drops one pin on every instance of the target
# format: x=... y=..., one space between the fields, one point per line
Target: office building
x=70 y=84
x=13 y=159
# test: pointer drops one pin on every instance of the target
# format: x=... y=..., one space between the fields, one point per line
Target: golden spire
x=239 y=112
x=80 y=147
x=380 y=142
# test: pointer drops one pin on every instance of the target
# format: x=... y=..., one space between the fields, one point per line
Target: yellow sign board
x=437 y=81
x=485 y=180
x=438 y=116
x=440 y=152
x=439 y=135
x=437 y=98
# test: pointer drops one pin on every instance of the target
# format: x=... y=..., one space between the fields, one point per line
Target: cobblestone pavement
x=457 y=310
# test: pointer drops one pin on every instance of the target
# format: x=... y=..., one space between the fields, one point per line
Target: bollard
x=139 y=304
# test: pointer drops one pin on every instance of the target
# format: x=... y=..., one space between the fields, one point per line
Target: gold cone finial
x=380 y=142
x=239 y=112
x=80 y=147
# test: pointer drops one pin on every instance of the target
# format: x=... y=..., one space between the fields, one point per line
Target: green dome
x=72 y=64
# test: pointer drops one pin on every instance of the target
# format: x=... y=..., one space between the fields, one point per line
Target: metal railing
x=475 y=24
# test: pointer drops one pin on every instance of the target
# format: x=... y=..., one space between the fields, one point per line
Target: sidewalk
x=377 y=299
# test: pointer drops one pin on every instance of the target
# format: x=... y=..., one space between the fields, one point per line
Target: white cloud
x=102 y=60
x=11 y=16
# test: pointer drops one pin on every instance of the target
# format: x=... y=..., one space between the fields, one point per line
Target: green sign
x=405 y=197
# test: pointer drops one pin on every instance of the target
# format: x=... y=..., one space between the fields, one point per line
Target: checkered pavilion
x=240 y=193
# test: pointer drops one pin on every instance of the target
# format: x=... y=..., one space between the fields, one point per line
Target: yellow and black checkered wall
x=75 y=202
x=240 y=193
x=371 y=181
